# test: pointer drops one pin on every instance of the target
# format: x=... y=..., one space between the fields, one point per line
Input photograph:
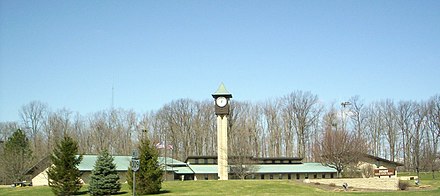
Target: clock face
x=221 y=101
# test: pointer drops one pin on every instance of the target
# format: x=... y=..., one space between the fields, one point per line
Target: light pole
x=344 y=104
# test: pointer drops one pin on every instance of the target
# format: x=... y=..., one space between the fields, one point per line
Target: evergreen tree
x=149 y=175
x=64 y=175
x=16 y=156
x=104 y=179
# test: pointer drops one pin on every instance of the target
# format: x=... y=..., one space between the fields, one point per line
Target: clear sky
x=70 y=53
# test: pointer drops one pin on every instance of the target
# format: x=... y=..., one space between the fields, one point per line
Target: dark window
x=262 y=176
x=306 y=176
x=289 y=177
x=206 y=176
x=206 y=161
x=331 y=175
x=271 y=176
x=315 y=176
x=297 y=176
x=323 y=175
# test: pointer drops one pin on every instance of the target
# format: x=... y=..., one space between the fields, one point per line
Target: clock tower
x=222 y=109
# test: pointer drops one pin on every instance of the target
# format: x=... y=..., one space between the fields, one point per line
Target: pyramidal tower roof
x=221 y=91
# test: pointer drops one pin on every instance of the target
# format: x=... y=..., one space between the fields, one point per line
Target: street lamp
x=344 y=104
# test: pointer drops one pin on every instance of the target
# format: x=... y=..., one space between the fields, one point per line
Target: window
x=196 y=161
x=262 y=176
x=271 y=176
x=289 y=177
x=331 y=175
x=323 y=175
x=315 y=176
x=306 y=176
x=281 y=176
x=297 y=176
x=206 y=161
x=206 y=176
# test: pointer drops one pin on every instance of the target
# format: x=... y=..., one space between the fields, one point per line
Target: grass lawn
x=238 y=187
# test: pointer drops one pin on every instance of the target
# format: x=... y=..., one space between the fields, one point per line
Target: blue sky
x=70 y=53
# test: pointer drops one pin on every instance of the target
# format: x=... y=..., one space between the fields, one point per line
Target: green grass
x=236 y=187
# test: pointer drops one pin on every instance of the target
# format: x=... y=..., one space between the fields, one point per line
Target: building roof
x=122 y=162
x=264 y=159
x=383 y=160
x=271 y=168
x=170 y=161
x=295 y=168
x=204 y=169
x=183 y=170
x=221 y=91
x=277 y=158
x=88 y=162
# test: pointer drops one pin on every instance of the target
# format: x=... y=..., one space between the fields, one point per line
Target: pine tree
x=149 y=175
x=104 y=179
x=64 y=175
x=16 y=156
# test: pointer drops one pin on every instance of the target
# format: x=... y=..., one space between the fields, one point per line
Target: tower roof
x=221 y=91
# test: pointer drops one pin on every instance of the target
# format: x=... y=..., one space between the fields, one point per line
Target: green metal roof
x=295 y=168
x=88 y=162
x=221 y=91
x=170 y=161
x=204 y=169
x=122 y=162
x=183 y=170
x=272 y=168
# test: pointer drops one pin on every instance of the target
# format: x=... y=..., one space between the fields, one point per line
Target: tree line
x=288 y=126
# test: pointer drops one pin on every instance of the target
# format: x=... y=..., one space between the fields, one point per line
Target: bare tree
x=430 y=151
x=273 y=128
x=303 y=110
x=7 y=129
x=405 y=111
x=416 y=135
x=375 y=128
x=338 y=148
x=358 y=115
x=389 y=114
x=33 y=116
x=55 y=127
x=243 y=138
x=179 y=120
